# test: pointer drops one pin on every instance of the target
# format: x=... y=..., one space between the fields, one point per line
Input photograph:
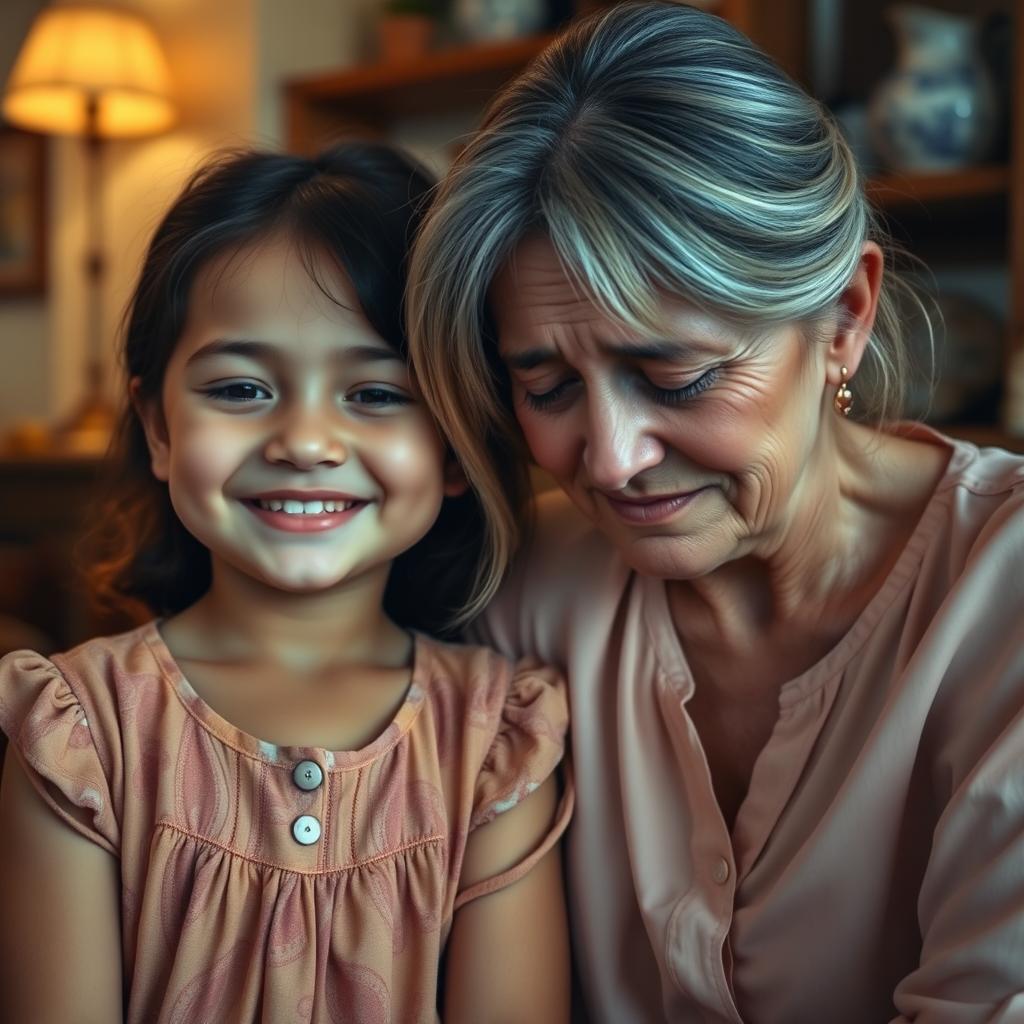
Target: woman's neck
x=857 y=502
x=240 y=619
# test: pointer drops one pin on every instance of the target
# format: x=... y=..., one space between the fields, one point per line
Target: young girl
x=276 y=802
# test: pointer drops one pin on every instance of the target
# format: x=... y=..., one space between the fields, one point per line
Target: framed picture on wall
x=22 y=213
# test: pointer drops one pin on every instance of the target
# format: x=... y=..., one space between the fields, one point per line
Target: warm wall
x=227 y=59
x=24 y=322
x=211 y=49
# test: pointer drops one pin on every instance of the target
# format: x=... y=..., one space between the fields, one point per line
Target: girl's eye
x=676 y=396
x=378 y=397
x=239 y=391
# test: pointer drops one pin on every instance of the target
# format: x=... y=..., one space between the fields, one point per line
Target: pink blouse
x=875 y=871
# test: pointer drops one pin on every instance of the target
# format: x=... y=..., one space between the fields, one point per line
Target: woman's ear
x=154 y=424
x=857 y=308
x=455 y=482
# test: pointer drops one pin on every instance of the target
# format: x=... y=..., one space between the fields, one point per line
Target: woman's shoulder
x=561 y=531
x=966 y=607
x=478 y=678
x=566 y=571
x=983 y=492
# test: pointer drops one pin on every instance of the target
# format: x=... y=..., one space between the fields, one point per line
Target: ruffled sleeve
x=528 y=747
x=50 y=732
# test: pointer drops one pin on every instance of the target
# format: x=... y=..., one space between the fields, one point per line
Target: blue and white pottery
x=937 y=110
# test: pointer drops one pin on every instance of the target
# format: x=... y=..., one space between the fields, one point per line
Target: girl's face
x=291 y=436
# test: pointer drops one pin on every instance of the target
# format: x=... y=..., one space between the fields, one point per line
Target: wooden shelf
x=368 y=99
x=894 y=190
x=374 y=95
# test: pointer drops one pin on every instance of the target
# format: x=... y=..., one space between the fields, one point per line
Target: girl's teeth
x=303 y=508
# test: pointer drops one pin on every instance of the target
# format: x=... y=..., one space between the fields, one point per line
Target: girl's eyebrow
x=235 y=347
x=266 y=351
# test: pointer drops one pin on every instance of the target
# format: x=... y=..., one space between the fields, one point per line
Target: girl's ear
x=857 y=306
x=154 y=424
x=455 y=482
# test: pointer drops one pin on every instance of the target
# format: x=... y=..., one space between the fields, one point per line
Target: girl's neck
x=240 y=619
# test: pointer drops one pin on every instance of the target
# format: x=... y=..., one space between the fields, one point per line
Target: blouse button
x=720 y=872
x=306 y=830
x=307 y=775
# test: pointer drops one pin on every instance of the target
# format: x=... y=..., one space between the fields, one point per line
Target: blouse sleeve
x=971 y=904
x=528 y=747
x=50 y=732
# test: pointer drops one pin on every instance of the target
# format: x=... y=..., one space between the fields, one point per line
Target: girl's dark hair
x=361 y=203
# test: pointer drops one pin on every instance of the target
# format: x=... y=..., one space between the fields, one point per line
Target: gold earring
x=844 y=396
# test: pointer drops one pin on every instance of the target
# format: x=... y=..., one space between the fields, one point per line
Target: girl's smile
x=291 y=436
x=305 y=512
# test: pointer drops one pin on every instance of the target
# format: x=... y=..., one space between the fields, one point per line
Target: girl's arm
x=60 y=922
x=508 y=954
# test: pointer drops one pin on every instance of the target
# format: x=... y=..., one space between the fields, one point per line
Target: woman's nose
x=618 y=445
x=308 y=438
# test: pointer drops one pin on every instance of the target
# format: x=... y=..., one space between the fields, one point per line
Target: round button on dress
x=307 y=775
x=306 y=829
x=720 y=872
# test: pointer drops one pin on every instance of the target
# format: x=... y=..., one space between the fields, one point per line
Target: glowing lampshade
x=90 y=69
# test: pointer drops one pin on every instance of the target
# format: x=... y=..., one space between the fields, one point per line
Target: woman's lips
x=647 y=511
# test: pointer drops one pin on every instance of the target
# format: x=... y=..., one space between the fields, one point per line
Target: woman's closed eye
x=561 y=392
x=547 y=399
x=676 y=396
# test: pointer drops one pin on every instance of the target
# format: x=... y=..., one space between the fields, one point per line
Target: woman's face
x=688 y=448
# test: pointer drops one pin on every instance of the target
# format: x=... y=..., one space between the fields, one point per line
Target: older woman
x=794 y=636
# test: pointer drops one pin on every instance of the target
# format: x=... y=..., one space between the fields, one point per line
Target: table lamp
x=98 y=73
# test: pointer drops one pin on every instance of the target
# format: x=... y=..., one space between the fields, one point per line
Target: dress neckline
x=287 y=755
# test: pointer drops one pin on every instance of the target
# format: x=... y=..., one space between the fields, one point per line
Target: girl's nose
x=308 y=440
x=618 y=445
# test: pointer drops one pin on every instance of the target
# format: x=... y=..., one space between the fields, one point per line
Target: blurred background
x=107 y=109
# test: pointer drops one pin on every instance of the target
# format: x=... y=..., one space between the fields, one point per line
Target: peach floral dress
x=282 y=884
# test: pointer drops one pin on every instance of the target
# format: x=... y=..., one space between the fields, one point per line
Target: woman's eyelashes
x=561 y=393
x=676 y=396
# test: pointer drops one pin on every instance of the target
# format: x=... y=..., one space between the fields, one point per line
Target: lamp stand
x=88 y=430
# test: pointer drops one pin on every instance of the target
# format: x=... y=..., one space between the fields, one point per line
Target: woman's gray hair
x=660 y=151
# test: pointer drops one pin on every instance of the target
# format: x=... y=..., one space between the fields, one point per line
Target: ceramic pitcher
x=937 y=110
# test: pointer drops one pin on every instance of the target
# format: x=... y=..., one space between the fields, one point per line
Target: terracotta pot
x=404 y=37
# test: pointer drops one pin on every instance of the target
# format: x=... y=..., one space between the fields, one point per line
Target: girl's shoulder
x=509 y=719
x=102 y=675
x=482 y=685
x=66 y=717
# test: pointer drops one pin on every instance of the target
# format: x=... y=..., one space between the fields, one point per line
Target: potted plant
x=406 y=29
